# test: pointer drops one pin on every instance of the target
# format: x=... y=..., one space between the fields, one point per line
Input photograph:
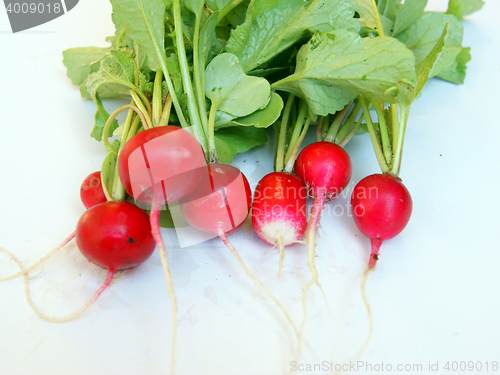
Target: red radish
x=381 y=207
x=161 y=163
x=325 y=169
x=158 y=166
x=91 y=191
x=115 y=235
x=220 y=205
x=279 y=211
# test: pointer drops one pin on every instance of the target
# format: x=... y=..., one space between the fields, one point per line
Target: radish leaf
x=231 y=90
x=456 y=72
x=81 y=62
x=422 y=36
x=333 y=68
x=273 y=26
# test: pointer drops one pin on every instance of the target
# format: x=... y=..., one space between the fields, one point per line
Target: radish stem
x=148 y=124
x=157 y=102
x=280 y=154
x=165 y=116
x=373 y=136
x=293 y=155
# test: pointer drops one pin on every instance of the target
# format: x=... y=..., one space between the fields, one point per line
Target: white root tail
x=155 y=230
x=281 y=246
x=224 y=239
x=24 y=272
x=31 y=268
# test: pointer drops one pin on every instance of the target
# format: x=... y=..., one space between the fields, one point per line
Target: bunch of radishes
x=172 y=73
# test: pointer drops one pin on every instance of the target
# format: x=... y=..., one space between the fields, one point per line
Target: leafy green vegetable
x=223 y=150
x=333 y=68
x=467 y=7
x=81 y=62
x=369 y=17
x=265 y=117
x=425 y=67
x=456 y=72
x=118 y=68
x=455 y=8
x=241 y=139
x=274 y=25
x=143 y=22
x=231 y=90
x=408 y=14
x=422 y=36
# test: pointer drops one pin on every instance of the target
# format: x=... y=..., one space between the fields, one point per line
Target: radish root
x=317 y=207
x=224 y=239
x=31 y=268
x=155 y=230
x=96 y=295
x=281 y=246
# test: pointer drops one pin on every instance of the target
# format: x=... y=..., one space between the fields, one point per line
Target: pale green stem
x=319 y=129
x=395 y=125
x=373 y=136
x=105 y=132
x=346 y=128
x=119 y=39
x=157 y=98
x=384 y=134
x=296 y=130
x=280 y=155
x=405 y=111
x=348 y=137
x=213 y=156
x=334 y=128
x=134 y=127
x=291 y=160
x=326 y=120
x=186 y=78
x=165 y=116
x=378 y=21
x=143 y=99
x=147 y=123
x=198 y=70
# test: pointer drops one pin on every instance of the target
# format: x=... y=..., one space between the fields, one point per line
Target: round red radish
x=324 y=168
x=381 y=208
x=115 y=235
x=161 y=163
x=279 y=209
x=221 y=202
x=91 y=191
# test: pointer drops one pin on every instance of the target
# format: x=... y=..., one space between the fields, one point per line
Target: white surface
x=434 y=293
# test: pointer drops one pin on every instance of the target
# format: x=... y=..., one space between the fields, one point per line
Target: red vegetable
x=91 y=191
x=115 y=235
x=381 y=207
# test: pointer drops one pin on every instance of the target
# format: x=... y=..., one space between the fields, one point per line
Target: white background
x=434 y=294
